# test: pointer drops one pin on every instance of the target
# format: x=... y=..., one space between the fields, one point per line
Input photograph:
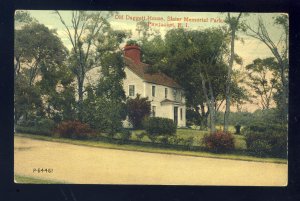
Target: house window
x=153 y=91
x=175 y=93
x=180 y=113
x=131 y=90
x=153 y=111
x=166 y=92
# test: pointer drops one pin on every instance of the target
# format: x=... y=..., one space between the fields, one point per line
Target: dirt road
x=88 y=165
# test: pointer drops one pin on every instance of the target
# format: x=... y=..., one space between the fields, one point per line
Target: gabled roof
x=140 y=69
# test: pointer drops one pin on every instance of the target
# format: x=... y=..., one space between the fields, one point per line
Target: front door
x=176 y=115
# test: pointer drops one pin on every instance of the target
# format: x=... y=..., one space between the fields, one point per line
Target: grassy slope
x=31 y=180
x=154 y=149
x=198 y=135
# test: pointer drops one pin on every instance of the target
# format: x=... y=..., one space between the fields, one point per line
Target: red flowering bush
x=219 y=141
x=73 y=129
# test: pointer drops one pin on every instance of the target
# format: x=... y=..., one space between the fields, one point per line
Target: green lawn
x=240 y=143
x=31 y=180
x=239 y=155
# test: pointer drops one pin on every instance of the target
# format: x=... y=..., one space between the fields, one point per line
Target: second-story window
x=131 y=90
x=166 y=92
x=153 y=91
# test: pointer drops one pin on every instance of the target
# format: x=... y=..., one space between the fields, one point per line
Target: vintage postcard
x=151 y=98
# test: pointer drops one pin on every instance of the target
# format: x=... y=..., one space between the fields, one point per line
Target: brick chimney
x=133 y=52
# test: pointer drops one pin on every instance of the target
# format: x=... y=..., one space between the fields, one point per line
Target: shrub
x=45 y=125
x=39 y=127
x=131 y=42
x=266 y=139
x=152 y=137
x=125 y=135
x=156 y=126
x=103 y=114
x=74 y=129
x=162 y=139
x=219 y=141
x=137 y=110
x=175 y=140
x=31 y=130
x=140 y=136
x=188 y=142
x=260 y=147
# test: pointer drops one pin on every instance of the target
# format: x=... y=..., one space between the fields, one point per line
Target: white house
x=166 y=96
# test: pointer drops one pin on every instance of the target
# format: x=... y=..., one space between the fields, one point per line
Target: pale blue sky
x=250 y=50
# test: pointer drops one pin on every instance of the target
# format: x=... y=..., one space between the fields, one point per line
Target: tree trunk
x=233 y=27
x=210 y=104
x=228 y=81
x=284 y=96
x=212 y=110
x=80 y=98
x=204 y=115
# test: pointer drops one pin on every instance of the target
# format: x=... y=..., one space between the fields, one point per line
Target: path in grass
x=89 y=165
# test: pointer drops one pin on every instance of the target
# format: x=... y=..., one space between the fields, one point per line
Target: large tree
x=234 y=25
x=36 y=44
x=83 y=32
x=104 y=105
x=172 y=55
x=195 y=60
x=36 y=48
x=263 y=80
x=280 y=49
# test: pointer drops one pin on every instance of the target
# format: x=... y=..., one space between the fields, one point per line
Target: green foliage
x=162 y=139
x=156 y=126
x=38 y=126
x=73 y=129
x=138 y=109
x=103 y=114
x=35 y=43
x=131 y=42
x=112 y=74
x=280 y=50
x=194 y=117
x=154 y=52
x=175 y=140
x=247 y=118
x=125 y=135
x=266 y=139
x=140 y=136
x=104 y=107
x=39 y=53
x=23 y=17
x=184 y=55
x=219 y=141
x=28 y=102
x=95 y=43
x=261 y=82
x=45 y=124
x=260 y=148
x=188 y=142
